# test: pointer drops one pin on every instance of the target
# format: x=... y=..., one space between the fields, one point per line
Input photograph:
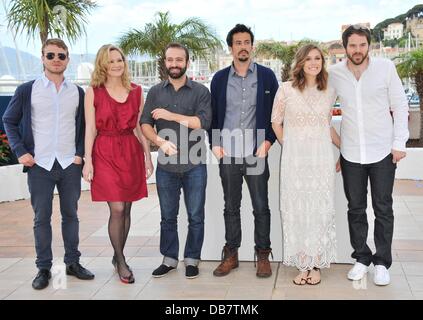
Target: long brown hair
x=99 y=75
x=297 y=70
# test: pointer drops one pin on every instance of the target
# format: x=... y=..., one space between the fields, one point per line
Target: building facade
x=394 y=31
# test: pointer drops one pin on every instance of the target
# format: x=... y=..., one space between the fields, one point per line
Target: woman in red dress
x=117 y=155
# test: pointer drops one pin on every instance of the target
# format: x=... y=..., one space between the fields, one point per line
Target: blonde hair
x=297 y=70
x=99 y=75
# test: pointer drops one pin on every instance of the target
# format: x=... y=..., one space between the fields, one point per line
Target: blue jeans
x=41 y=185
x=169 y=184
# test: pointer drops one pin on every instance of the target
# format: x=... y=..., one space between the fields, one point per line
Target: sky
x=269 y=19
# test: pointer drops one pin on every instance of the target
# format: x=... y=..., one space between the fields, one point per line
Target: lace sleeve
x=279 y=106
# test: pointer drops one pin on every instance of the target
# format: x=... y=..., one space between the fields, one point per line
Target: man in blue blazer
x=44 y=122
x=240 y=136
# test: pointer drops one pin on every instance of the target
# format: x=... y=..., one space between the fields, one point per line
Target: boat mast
x=18 y=53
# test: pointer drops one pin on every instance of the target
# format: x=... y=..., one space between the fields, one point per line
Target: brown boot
x=229 y=262
x=264 y=270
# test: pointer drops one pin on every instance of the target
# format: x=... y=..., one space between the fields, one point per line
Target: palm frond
x=61 y=18
x=197 y=36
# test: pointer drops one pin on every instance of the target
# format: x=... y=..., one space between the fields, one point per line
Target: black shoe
x=75 y=269
x=162 y=270
x=41 y=280
x=191 y=272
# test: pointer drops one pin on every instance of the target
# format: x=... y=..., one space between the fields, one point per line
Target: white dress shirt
x=53 y=122
x=368 y=131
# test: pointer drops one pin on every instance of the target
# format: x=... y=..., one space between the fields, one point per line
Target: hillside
x=377 y=31
x=32 y=64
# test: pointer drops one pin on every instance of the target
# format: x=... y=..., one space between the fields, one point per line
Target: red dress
x=118 y=156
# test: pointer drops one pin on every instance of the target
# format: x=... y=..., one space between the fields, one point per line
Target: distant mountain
x=32 y=63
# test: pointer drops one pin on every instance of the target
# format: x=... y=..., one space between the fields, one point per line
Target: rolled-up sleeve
x=399 y=107
x=203 y=110
x=146 y=117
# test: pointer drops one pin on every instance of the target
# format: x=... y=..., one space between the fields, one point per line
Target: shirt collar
x=345 y=62
x=188 y=83
x=46 y=81
x=251 y=68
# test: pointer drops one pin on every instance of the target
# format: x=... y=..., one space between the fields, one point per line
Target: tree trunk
x=285 y=72
x=421 y=124
x=44 y=30
x=161 y=67
x=419 y=87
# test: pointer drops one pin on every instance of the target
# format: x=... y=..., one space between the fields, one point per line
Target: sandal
x=125 y=279
x=311 y=278
x=303 y=278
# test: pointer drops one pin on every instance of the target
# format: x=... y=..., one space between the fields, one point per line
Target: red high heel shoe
x=128 y=279
x=114 y=263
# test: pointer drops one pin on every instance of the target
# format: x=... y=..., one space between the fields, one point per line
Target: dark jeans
x=232 y=175
x=41 y=185
x=381 y=175
x=169 y=184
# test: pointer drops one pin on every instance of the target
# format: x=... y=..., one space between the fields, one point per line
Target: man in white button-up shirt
x=44 y=122
x=374 y=131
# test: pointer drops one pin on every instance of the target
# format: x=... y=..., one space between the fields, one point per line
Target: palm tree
x=411 y=66
x=153 y=39
x=50 y=17
x=282 y=52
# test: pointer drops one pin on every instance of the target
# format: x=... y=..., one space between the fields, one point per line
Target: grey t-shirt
x=193 y=99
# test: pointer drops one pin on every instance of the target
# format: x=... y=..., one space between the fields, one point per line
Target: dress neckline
x=120 y=102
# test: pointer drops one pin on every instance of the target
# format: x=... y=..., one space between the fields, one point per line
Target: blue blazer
x=18 y=122
x=267 y=86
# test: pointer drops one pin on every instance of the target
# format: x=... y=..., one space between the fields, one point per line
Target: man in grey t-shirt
x=181 y=111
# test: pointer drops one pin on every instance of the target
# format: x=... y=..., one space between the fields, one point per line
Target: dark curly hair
x=238 y=29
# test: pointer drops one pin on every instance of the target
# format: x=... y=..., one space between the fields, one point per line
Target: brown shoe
x=229 y=262
x=264 y=270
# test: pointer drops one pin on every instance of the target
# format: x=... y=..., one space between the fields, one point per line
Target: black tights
x=119 y=224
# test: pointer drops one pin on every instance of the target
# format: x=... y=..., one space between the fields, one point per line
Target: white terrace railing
x=8 y=86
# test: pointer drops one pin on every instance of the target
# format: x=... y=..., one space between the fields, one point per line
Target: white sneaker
x=382 y=277
x=357 y=272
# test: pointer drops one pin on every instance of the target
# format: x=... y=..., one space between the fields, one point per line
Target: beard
x=243 y=58
x=177 y=75
x=357 y=63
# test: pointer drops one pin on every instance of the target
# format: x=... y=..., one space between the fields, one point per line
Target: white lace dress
x=307 y=176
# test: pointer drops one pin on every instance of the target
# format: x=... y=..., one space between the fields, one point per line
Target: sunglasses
x=51 y=55
x=359 y=27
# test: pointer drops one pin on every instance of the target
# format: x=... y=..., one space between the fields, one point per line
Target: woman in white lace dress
x=301 y=119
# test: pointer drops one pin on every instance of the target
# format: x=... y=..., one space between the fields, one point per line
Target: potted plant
x=5 y=152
